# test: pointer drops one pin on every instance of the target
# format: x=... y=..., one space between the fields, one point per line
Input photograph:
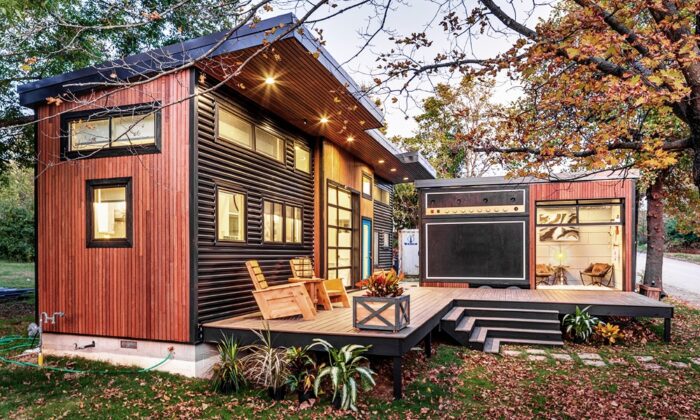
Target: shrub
x=609 y=333
x=266 y=365
x=579 y=325
x=227 y=374
x=16 y=233
x=346 y=364
x=302 y=371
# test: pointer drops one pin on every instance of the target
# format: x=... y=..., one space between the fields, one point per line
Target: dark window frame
x=273 y=241
x=218 y=138
x=578 y=203
x=90 y=186
x=111 y=151
x=230 y=190
x=354 y=230
x=284 y=205
x=301 y=219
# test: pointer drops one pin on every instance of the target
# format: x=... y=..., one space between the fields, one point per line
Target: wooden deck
x=428 y=306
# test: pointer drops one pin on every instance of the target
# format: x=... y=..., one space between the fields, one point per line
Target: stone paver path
x=595 y=360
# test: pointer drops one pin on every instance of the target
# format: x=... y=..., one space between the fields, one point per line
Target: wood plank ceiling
x=305 y=93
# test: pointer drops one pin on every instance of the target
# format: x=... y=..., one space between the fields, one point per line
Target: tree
x=405 y=206
x=450 y=120
x=17 y=214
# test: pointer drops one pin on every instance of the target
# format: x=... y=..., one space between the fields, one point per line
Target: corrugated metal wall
x=224 y=287
x=383 y=224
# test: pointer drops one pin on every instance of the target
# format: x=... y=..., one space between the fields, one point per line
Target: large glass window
x=109 y=212
x=340 y=234
x=381 y=195
x=233 y=128
x=302 y=159
x=579 y=243
x=104 y=131
x=230 y=216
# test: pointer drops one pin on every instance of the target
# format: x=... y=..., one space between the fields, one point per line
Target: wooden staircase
x=485 y=328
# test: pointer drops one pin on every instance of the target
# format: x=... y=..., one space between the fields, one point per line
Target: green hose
x=25 y=346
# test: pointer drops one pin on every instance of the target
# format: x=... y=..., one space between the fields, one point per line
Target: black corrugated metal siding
x=383 y=223
x=223 y=285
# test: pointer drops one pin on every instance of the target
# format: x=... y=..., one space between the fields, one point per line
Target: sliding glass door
x=341 y=216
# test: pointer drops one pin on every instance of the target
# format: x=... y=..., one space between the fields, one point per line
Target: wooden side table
x=317 y=292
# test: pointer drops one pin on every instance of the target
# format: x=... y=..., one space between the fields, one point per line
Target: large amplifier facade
x=475 y=235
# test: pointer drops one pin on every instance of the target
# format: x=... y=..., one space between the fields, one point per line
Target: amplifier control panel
x=491 y=202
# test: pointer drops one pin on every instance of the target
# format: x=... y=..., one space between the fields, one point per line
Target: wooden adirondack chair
x=279 y=301
x=329 y=291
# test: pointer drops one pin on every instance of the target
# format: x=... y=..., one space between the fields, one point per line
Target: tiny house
x=152 y=195
x=571 y=232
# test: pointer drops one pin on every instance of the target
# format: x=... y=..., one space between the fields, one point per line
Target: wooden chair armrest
x=278 y=287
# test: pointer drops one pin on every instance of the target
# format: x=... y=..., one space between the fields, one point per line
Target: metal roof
x=503 y=180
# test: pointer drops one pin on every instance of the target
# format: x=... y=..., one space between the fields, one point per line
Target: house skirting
x=187 y=359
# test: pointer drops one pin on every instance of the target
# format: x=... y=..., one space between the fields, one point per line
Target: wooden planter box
x=650 y=292
x=381 y=313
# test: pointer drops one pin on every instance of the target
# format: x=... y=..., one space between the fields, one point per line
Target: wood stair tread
x=454 y=314
x=479 y=334
x=533 y=311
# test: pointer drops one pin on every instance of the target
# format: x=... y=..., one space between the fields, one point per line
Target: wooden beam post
x=428 y=344
x=667 y=330
x=397 y=378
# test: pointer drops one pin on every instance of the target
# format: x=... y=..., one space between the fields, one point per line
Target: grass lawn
x=693 y=258
x=455 y=383
x=19 y=275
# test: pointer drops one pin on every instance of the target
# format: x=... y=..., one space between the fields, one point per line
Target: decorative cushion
x=543 y=270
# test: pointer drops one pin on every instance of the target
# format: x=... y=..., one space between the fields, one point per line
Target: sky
x=343 y=41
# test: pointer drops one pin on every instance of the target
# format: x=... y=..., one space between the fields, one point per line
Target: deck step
x=493 y=345
x=468 y=322
x=480 y=334
x=454 y=314
x=512 y=313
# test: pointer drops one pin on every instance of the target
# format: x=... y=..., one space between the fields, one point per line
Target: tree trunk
x=655 y=232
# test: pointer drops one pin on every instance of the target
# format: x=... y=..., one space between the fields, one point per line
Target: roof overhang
x=309 y=85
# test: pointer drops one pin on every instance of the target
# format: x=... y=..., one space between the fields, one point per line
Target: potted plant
x=302 y=371
x=227 y=375
x=579 y=325
x=346 y=366
x=384 y=306
x=266 y=366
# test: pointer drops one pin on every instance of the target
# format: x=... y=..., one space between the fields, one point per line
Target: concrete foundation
x=188 y=359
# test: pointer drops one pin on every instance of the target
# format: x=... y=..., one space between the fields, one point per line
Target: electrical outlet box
x=128 y=344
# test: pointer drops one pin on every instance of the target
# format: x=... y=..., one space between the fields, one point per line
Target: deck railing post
x=397 y=378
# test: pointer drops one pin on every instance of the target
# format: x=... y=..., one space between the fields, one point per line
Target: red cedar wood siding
x=588 y=190
x=140 y=292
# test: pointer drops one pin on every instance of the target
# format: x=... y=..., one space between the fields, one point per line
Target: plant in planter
x=266 y=366
x=227 y=375
x=384 y=306
x=302 y=371
x=609 y=333
x=579 y=325
x=346 y=366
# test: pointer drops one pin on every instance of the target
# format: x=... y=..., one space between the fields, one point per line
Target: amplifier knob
x=487 y=210
x=515 y=208
x=463 y=211
x=480 y=210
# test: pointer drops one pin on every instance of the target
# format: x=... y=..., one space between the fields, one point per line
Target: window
x=293 y=225
x=302 y=159
x=230 y=216
x=381 y=195
x=269 y=144
x=232 y=128
x=272 y=220
x=367 y=186
x=109 y=213
x=122 y=131
x=579 y=212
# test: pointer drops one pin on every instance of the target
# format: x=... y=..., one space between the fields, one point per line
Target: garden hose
x=12 y=340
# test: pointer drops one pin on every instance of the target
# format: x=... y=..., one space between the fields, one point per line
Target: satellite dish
x=33 y=330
